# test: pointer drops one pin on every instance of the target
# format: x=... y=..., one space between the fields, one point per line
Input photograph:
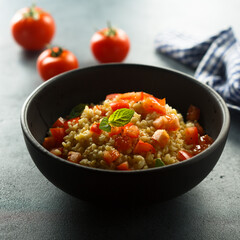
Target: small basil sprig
x=77 y=111
x=159 y=163
x=119 y=118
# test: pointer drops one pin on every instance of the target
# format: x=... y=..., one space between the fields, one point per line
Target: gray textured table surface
x=32 y=208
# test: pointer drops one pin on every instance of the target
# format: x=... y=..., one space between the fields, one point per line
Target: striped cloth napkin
x=216 y=60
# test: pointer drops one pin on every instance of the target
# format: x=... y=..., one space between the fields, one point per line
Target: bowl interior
x=56 y=97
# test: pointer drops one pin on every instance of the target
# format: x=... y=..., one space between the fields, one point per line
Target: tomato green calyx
x=110 y=32
x=32 y=13
x=56 y=52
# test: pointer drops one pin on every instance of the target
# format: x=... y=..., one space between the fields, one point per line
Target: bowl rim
x=222 y=134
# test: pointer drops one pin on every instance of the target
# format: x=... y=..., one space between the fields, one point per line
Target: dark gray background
x=32 y=208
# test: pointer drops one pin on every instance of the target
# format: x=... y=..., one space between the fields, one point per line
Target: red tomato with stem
x=110 y=45
x=54 y=61
x=32 y=28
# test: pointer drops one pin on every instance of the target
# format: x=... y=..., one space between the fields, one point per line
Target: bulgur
x=135 y=145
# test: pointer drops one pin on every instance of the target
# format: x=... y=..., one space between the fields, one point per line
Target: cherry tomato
x=54 y=61
x=110 y=45
x=32 y=28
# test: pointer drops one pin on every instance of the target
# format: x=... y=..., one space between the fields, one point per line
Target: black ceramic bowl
x=57 y=96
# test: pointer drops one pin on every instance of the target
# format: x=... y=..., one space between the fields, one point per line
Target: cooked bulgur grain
x=154 y=131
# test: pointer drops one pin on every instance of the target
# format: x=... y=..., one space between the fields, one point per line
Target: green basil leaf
x=77 y=111
x=159 y=163
x=104 y=125
x=121 y=117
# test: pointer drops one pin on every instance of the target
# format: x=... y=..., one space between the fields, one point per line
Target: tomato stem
x=110 y=30
x=32 y=13
x=56 y=53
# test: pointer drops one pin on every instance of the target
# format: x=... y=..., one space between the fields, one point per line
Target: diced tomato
x=161 y=122
x=58 y=134
x=112 y=96
x=193 y=113
x=49 y=143
x=74 y=157
x=119 y=104
x=152 y=104
x=115 y=131
x=59 y=123
x=161 y=137
x=143 y=148
x=131 y=130
x=183 y=155
x=205 y=140
x=111 y=156
x=57 y=151
x=161 y=101
x=173 y=122
x=123 y=166
x=123 y=143
x=191 y=135
x=134 y=96
x=168 y=122
x=199 y=128
x=73 y=121
x=95 y=128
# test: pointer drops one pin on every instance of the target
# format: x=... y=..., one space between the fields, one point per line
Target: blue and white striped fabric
x=216 y=60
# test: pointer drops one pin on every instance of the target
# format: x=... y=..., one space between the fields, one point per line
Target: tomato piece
x=58 y=134
x=59 y=123
x=74 y=157
x=119 y=104
x=204 y=142
x=73 y=121
x=183 y=155
x=32 y=28
x=206 y=139
x=123 y=143
x=54 y=61
x=123 y=166
x=161 y=137
x=151 y=104
x=112 y=96
x=161 y=122
x=143 y=148
x=115 y=131
x=95 y=128
x=133 y=96
x=191 y=135
x=57 y=151
x=199 y=128
x=111 y=156
x=110 y=45
x=168 y=122
x=49 y=143
x=131 y=131
x=193 y=113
